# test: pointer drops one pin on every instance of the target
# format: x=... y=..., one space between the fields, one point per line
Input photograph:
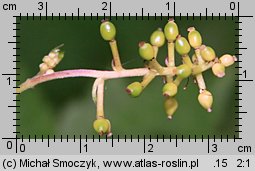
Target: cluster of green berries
x=148 y=52
x=50 y=61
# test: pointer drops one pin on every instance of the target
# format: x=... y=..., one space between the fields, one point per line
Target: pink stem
x=30 y=83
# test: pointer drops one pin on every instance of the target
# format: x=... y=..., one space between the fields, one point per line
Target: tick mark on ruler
x=10 y=74
x=208 y=144
x=240 y=112
x=78 y=13
x=48 y=141
x=14 y=42
x=176 y=141
x=238 y=125
x=240 y=48
x=112 y=139
x=243 y=80
x=206 y=13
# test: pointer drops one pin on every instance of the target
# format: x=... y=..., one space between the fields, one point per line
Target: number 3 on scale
x=214 y=148
x=41 y=5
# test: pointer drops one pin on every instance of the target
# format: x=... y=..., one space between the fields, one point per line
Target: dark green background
x=66 y=107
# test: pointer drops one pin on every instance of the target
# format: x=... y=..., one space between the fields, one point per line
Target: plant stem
x=186 y=60
x=30 y=83
x=148 y=78
x=153 y=64
x=199 y=77
x=171 y=60
x=115 y=54
x=198 y=69
x=38 y=79
x=155 y=49
x=100 y=99
x=178 y=80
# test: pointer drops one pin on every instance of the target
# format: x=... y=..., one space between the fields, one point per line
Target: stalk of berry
x=171 y=31
x=183 y=48
x=146 y=52
x=195 y=41
x=108 y=33
x=101 y=125
x=135 y=89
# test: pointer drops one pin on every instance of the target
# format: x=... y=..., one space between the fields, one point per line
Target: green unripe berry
x=157 y=38
x=182 y=45
x=227 y=60
x=194 y=37
x=183 y=71
x=107 y=30
x=205 y=98
x=218 y=70
x=101 y=126
x=171 y=106
x=146 y=51
x=134 y=89
x=169 y=89
x=171 y=30
x=207 y=53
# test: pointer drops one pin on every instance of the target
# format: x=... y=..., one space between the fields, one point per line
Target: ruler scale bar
x=28 y=128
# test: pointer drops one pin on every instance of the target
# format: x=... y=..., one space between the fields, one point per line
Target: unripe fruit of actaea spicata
x=194 y=37
x=218 y=70
x=157 y=38
x=169 y=89
x=101 y=126
x=182 y=45
x=205 y=98
x=170 y=105
x=134 y=89
x=207 y=53
x=146 y=51
x=227 y=60
x=183 y=71
x=107 y=30
x=171 y=30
